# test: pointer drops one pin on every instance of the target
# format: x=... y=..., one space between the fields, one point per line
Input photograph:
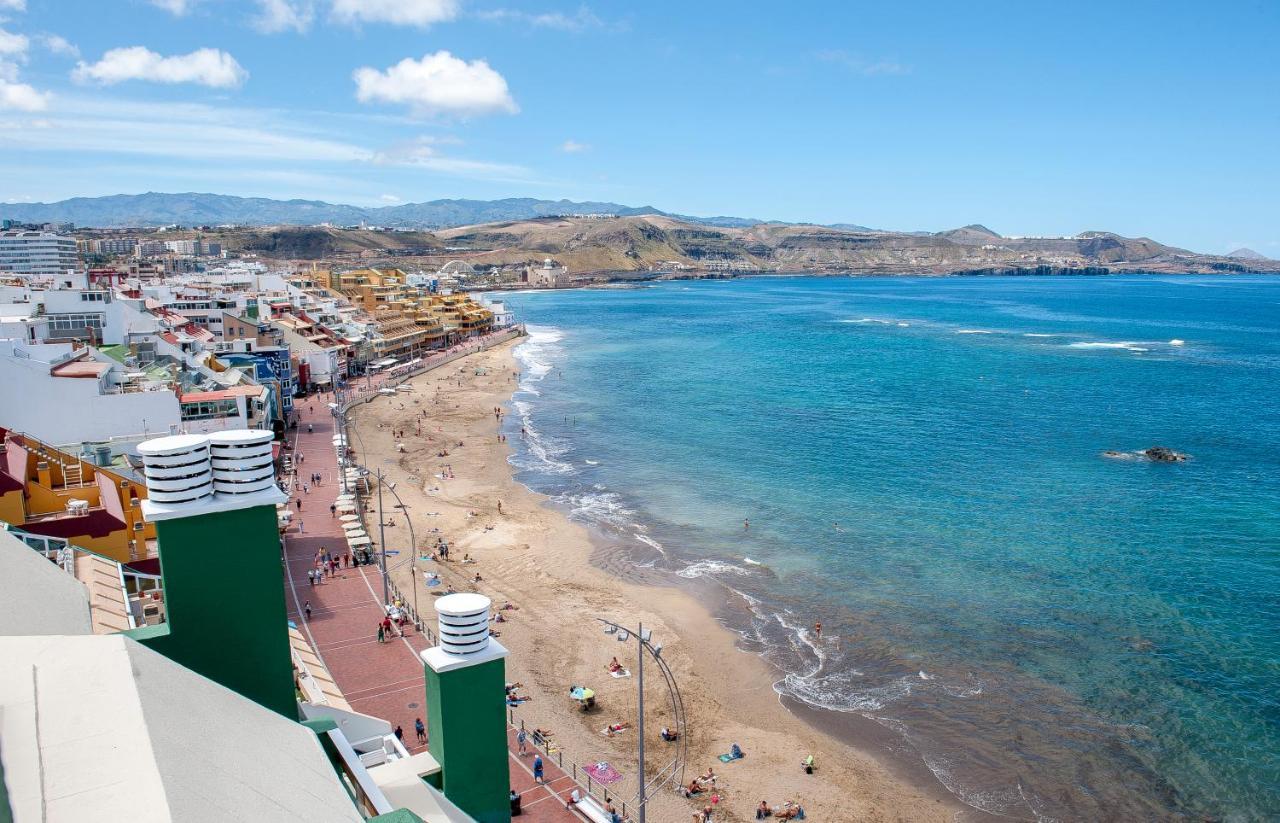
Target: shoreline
x=562 y=574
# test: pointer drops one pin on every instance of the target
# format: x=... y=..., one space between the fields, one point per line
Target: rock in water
x=1160 y=454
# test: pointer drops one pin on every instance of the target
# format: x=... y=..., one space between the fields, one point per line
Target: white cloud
x=13 y=5
x=177 y=8
x=421 y=13
x=180 y=130
x=573 y=147
x=867 y=68
x=21 y=97
x=580 y=20
x=437 y=84
x=206 y=67
x=13 y=45
x=424 y=153
x=283 y=15
x=195 y=131
x=59 y=45
x=390 y=198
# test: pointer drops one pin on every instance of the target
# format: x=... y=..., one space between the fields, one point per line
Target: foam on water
x=1099 y=345
x=710 y=568
x=599 y=508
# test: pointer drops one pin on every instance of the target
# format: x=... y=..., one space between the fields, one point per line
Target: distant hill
x=198 y=209
x=1247 y=254
x=972 y=235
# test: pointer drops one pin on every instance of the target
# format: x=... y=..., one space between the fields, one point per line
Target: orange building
x=47 y=491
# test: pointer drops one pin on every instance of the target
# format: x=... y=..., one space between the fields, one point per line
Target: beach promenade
x=380 y=679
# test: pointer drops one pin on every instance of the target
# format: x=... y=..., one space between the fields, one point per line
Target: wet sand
x=561 y=576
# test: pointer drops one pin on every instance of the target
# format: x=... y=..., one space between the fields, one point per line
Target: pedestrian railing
x=593 y=788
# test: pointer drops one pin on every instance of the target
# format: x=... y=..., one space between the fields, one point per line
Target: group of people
x=789 y=810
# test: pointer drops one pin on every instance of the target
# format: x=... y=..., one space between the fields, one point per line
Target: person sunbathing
x=709 y=777
x=614 y=666
x=693 y=788
x=614 y=728
x=669 y=735
x=763 y=811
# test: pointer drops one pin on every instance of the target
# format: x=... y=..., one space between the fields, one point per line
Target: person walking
x=522 y=737
x=421 y=729
x=537 y=769
x=400 y=734
x=298 y=503
x=307 y=609
x=300 y=531
x=382 y=635
x=333 y=509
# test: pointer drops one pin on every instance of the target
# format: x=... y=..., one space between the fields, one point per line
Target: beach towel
x=727 y=758
x=603 y=772
x=620 y=673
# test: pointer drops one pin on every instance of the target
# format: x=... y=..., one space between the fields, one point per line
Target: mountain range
x=613 y=238
x=199 y=209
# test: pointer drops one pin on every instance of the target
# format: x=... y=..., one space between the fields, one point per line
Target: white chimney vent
x=177 y=468
x=242 y=462
x=464 y=623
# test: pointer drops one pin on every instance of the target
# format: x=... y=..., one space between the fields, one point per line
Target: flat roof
x=222 y=394
x=103 y=728
x=81 y=368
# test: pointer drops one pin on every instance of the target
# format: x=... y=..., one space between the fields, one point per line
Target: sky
x=1157 y=119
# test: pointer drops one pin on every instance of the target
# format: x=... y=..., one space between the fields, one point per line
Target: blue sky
x=1156 y=119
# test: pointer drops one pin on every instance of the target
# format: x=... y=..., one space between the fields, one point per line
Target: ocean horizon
x=1054 y=633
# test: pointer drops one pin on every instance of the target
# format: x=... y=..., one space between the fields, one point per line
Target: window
x=210 y=409
x=72 y=322
x=92 y=296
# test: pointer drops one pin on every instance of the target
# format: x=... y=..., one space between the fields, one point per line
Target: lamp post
x=676 y=766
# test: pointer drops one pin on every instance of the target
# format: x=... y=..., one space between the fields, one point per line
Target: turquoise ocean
x=1054 y=634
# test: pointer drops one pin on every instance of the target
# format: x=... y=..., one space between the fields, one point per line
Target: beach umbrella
x=352 y=527
x=582 y=693
x=347 y=518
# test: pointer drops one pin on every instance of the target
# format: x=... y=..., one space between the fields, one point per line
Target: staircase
x=72 y=473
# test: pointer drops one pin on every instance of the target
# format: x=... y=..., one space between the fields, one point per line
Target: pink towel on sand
x=603 y=772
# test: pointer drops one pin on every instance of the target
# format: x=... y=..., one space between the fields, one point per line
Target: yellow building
x=408 y=321
x=44 y=490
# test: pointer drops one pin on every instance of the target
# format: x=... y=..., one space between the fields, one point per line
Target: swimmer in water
x=817 y=629
x=746 y=525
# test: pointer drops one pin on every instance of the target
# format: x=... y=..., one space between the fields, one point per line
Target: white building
x=36 y=253
x=60 y=394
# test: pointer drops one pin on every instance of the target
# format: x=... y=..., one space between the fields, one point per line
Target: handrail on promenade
x=593 y=788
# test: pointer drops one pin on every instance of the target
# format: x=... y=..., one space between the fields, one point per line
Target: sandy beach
x=561 y=577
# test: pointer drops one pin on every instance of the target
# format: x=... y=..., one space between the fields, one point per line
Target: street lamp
x=667 y=773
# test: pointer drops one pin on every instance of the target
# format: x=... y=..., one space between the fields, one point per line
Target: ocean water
x=1055 y=634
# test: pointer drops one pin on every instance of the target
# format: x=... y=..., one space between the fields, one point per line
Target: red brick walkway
x=384 y=680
